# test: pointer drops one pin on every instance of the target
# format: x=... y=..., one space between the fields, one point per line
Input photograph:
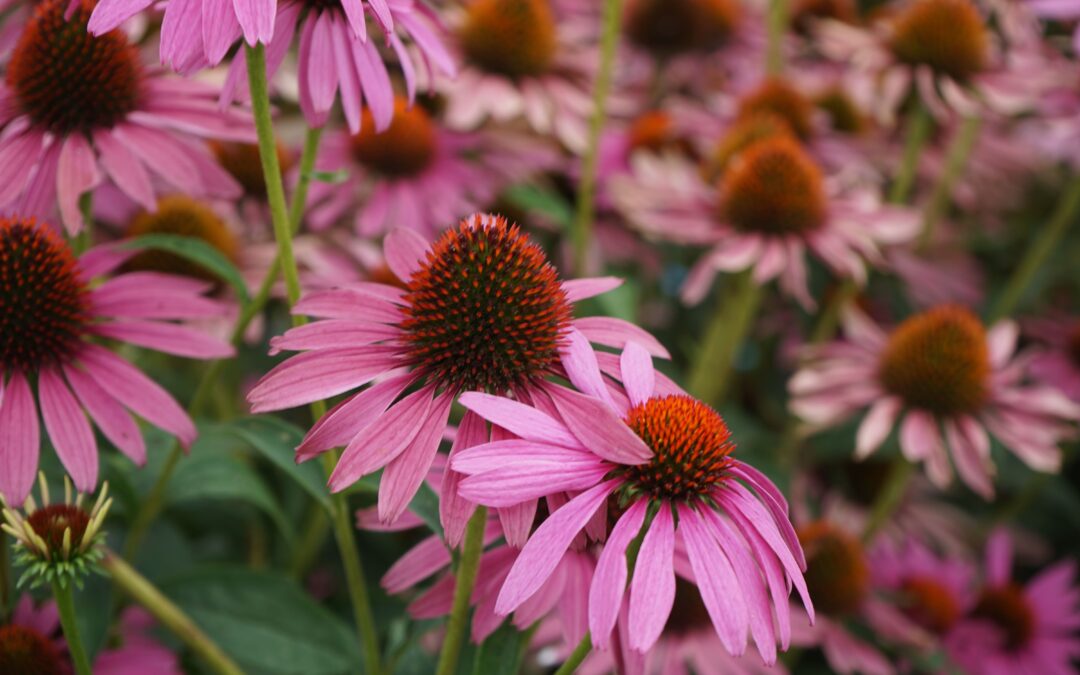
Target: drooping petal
x=876 y=426
x=455 y=510
x=598 y=428
x=109 y=415
x=20 y=439
x=652 y=591
x=716 y=580
x=68 y=429
x=403 y=475
x=609 y=580
x=638 y=376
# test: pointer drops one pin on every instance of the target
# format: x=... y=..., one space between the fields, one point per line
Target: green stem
x=725 y=333
x=168 y=615
x=956 y=161
x=65 y=604
x=576 y=657
x=5 y=576
x=1038 y=252
x=889 y=498
x=84 y=239
x=918 y=131
x=463 y=588
x=275 y=192
x=307 y=164
x=583 y=220
x=151 y=507
x=778 y=21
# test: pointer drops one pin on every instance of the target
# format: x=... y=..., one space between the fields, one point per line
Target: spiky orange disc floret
x=1009 y=609
x=691 y=447
x=43 y=302
x=669 y=27
x=950 y=36
x=185 y=217
x=405 y=148
x=24 y=651
x=50 y=522
x=486 y=310
x=938 y=361
x=66 y=79
x=773 y=187
x=516 y=38
x=930 y=603
x=777 y=96
x=837 y=574
x=740 y=136
x=655 y=131
x=242 y=162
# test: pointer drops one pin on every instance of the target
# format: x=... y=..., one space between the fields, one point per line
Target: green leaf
x=501 y=653
x=331 y=177
x=543 y=200
x=198 y=252
x=216 y=475
x=276 y=440
x=426 y=505
x=266 y=622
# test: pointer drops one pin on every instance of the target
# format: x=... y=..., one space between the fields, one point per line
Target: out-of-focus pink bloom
x=417 y=174
x=479 y=309
x=934 y=592
x=1057 y=362
x=33 y=643
x=55 y=308
x=1059 y=10
x=76 y=117
x=1016 y=628
x=772 y=204
x=639 y=449
x=945 y=381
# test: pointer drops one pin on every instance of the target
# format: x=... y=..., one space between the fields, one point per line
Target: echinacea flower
x=481 y=310
x=769 y=206
x=55 y=308
x=181 y=216
x=79 y=110
x=393 y=174
x=934 y=591
x=946 y=381
x=1056 y=363
x=522 y=60
x=643 y=451
x=1059 y=10
x=32 y=643
x=1015 y=628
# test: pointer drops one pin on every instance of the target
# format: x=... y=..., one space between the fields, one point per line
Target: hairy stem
x=463 y=588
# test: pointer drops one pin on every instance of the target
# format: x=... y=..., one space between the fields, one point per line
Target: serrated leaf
x=266 y=622
x=198 y=252
x=276 y=440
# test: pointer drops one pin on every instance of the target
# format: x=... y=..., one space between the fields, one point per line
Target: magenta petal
x=999 y=555
x=127 y=384
x=256 y=18
x=609 y=580
x=547 y=546
x=617 y=333
x=111 y=417
x=349 y=418
x=108 y=14
x=76 y=173
x=716 y=580
x=315 y=376
x=403 y=475
x=20 y=439
x=455 y=510
x=519 y=419
x=405 y=251
x=580 y=289
x=652 y=591
x=527 y=478
x=126 y=171
x=599 y=429
x=69 y=430
x=167 y=337
x=417 y=564
x=638 y=376
x=582 y=368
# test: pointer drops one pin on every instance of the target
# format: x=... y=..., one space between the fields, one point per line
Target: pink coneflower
x=522 y=60
x=641 y=449
x=33 y=643
x=1059 y=10
x=393 y=174
x=481 y=310
x=90 y=112
x=946 y=381
x=337 y=55
x=933 y=591
x=768 y=207
x=51 y=310
x=1057 y=361
x=1015 y=628
x=941 y=50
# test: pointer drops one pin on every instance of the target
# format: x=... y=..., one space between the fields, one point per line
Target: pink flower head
x=1016 y=628
x=479 y=309
x=393 y=174
x=1057 y=361
x=89 y=113
x=770 y=205
x=644 y=451
x=523 y=60
x=946 y=381
x=33 y=643
x=54 y=304
x=337 y=55
x=932 y=591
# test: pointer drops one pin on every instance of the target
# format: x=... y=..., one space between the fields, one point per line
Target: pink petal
x=876 y=426
x=1001 y=341
x=111 y=417
x=580 y=289
x=517 y=521
x=519 y=419
x=999 y=555
x=405 y=252
x=122 y=166
x=528 y=478
x=971 y=452
x=341 y=424
x=417 y=564
x=71 y=434
x=76 y=173
x=716 y=581
x=402 y=476
x=638 y=377
x=455 y=510
x=609 y=580
x=598 y=428
x=108 y=14
x=581 y=366
x=652 y=592
x=617 y=333
x=20 y=439
x=547 y=546
x=256 y=18
x=314 y=376
x=166 y=337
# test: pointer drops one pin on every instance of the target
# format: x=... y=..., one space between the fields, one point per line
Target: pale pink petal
x=403 y=475
x=528 y=478
x=617 y=333
x=124 y=168
x=579 y=360
x=970 y=447
x=108 y=14
x=517 y=521
x=168 y=338
x=20 y=439
x=580 y=289
x=638 y=376
x=347 y=419
x=652 y=591
x=256 y=18
x=1001 y=341
x=455 y=510
x=68 y=429
x=405 y=252
x=519 y=419
x=609 y=581
x=76 y=173
x=716 y=580
x=315 y=376
x=598 y=428
x=417 y=564
x=109 y=415
x=876 y=426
